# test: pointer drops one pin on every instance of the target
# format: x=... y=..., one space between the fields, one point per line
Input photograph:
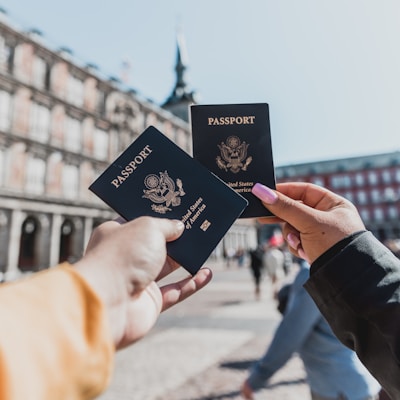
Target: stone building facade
x=60 y=126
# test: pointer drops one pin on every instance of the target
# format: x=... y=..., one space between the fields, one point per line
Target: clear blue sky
x=329 y=69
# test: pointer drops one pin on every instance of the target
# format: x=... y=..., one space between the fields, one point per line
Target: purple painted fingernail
x=264 y=193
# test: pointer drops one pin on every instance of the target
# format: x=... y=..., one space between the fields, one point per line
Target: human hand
x=143 y=310
x=314 y=218
x=122 y=263
x=246 y=391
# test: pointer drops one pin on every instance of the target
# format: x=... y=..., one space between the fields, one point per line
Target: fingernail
x=302 y=254
x=293 y=240
x=180 y=226
x=264 y=193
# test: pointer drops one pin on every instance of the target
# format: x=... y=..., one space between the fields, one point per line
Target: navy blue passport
x=155 y=177
x=234 y=142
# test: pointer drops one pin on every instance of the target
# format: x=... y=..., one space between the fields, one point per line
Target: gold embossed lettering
x=131 y=166
x=230 y=120
x=115 y=183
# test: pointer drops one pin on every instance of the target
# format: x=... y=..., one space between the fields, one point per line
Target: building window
x=378 y=214
x=70 y=181
x=362 y=197
x=317 y=181
x=346 y=181
x=100 y=144
x=340 y=181
x=397 y=175
x=376 y=196
x=393 y=212
x=349 y=196
x=386 y=176
x=373 y=178
x=75 y=91
x=40 y=122
x=35 y=176
x=72 y=136
x=364 y=213
x=335 y=182
x=5 y=110
x=7 y=53
x=359 y=179
x=41 y=73
x=101 y=102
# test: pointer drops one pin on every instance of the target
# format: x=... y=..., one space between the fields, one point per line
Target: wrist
x=333 y=251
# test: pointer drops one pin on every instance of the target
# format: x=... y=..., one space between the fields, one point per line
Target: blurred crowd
x=272 y=260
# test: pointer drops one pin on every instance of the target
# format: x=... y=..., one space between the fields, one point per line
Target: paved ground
x=202 y=348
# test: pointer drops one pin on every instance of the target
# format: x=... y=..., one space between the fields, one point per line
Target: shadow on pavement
x=230 y=303
x=244 y=364
x=233 y=394
x=229 y=395
x=286 y=383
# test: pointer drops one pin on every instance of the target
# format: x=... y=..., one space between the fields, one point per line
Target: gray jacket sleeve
x=358 y=292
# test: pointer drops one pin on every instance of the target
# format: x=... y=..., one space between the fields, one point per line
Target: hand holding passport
x=154 y=177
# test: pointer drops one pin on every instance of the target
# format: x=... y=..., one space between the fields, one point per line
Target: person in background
x=273 y=261
x=60 y=327
x=256 y=266
x=240 y=256
x=354 y=279
x=229 y=256
x=333 y=371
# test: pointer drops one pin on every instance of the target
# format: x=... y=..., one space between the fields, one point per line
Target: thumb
x=172 y=229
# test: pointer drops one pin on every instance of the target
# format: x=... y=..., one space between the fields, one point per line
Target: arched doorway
x=27 y=248
x=66 y=240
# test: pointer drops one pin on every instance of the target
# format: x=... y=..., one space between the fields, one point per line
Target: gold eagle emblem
x=233 y=155
x=161 y=191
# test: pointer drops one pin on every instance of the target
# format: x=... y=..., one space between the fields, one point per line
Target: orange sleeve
x=55 y=341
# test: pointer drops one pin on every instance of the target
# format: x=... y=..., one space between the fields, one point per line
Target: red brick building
x=371 y=182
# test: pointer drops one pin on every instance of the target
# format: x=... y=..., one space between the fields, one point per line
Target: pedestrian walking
x=334 y=371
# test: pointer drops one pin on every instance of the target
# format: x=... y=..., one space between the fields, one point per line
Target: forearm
x=274 y=358
x=54 y=334
x=357 y=290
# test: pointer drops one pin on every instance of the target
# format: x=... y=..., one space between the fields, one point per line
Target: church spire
x=180 y=99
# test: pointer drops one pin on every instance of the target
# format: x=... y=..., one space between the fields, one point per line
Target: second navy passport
x=154 y=177
x=234 y=142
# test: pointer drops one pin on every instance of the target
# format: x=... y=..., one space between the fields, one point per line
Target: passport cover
x=155 y=177
x=234 y=142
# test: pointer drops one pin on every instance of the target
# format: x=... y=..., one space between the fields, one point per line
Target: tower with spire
x=181 y=97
